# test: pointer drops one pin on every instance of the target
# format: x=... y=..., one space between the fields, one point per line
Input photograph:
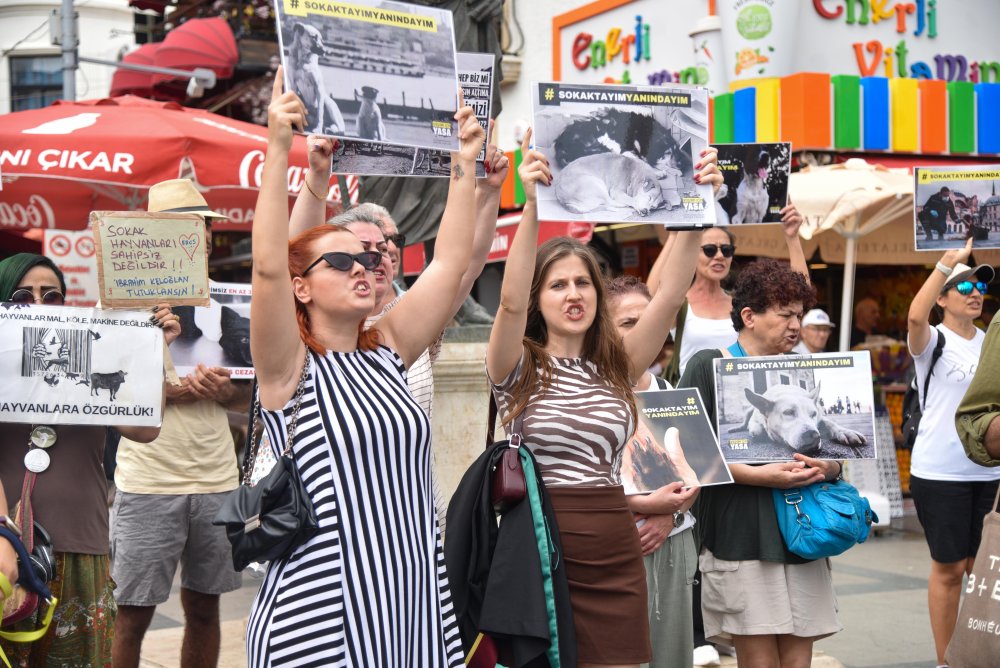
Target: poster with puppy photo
x=622 y=154
x=770 y=408
x=475 y=75
x=217 y=335
x=673 y=442
x=952 y=204
x=756 y=182
x=372 y=70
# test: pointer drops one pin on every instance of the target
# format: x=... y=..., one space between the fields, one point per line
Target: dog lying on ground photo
x=790 y=415
x=752 y=197
x=608 y=181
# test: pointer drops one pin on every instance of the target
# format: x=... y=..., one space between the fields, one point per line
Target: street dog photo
x=622 y=153
x=952 y=204
x=371 y=70
x=756 y=182
x=673 y=442
x=475 y=75
x=217 y=335
x=770 y=408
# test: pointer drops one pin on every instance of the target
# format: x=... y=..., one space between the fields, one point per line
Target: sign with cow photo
x=145 y=259
x=623 y=154
x=755 y=187
x=64 y=365
x=673 y=442
x=821 y=405
x=217 y=335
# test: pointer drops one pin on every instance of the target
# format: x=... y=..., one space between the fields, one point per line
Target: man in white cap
x=815 y=332
x=169 y=492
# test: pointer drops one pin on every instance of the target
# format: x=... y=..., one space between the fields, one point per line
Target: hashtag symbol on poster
x=549 y=93
x=294 y=4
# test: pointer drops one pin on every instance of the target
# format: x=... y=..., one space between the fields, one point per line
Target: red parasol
x=63 y=161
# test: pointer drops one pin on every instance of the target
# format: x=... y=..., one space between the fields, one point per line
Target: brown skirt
x=607 y=580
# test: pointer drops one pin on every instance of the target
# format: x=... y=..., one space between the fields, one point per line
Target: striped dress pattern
x=370 y=589
x=576 y=428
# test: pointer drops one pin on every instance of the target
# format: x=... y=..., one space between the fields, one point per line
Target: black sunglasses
x=344 y=261
x=398 y=239
x=964 y=288
x=25 y=296
x=711 y=249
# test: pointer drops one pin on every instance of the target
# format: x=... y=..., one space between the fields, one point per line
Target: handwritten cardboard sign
x=145 y=258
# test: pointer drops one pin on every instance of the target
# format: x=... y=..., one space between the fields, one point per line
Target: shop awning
x=133 y=82
x=414 y=259
x=207 y=43
x=154 y=5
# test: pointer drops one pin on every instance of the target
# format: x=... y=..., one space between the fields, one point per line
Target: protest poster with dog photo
x=756 y=182
x=821 y=405
x=673 y=442
x=622 y=154
x=65 y=365
x=217 y=335
x=372 y=70
x=475 y=75
x=952 y=204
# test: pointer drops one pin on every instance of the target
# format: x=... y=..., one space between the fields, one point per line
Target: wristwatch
x=678 y=519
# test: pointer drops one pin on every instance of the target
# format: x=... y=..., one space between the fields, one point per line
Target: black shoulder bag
x=912 y=410
x=269 y=520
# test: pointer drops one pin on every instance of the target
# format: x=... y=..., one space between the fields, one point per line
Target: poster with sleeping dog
x=217 y=335
x=756 y=182
x=820 y=405
x=623 y=154
x=673 y=442
x=372 y=70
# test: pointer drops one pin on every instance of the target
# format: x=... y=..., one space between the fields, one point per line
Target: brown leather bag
x=508 y=487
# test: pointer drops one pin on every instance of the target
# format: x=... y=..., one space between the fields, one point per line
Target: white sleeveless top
x=701 y=333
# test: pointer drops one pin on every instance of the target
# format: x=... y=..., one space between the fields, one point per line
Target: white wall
x=104 y=26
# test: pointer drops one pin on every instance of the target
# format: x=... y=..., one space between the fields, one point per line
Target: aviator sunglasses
x=711 y=249
x=398 y=239
x=964 y=288
x=25 y=296
x=344 y=261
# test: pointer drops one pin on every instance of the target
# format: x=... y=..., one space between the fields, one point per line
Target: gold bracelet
x=313 y=192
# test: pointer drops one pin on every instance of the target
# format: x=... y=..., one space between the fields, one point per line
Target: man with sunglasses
x=169 y=491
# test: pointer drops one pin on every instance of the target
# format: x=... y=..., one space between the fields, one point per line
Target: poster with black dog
x=217 y=335
x=66 y=365
x=821 y=405
x=756 y=182
x=622 y=154
x=475 y=75
x=372 y=70
x=952 y=204
x=673 y=442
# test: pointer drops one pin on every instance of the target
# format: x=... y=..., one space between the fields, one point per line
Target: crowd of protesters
x=343 y=358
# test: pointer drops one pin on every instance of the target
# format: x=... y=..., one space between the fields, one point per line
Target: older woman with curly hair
x=770 y=604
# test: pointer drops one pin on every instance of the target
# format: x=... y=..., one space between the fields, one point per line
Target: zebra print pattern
x=577 y=428
x=370 y=588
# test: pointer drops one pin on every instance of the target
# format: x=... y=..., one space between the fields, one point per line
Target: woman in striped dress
x=370 y=588
x=555 y=356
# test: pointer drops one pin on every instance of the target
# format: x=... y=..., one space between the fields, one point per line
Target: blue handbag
x=824 y=519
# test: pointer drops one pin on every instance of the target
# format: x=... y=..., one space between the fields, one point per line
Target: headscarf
x=13 y=269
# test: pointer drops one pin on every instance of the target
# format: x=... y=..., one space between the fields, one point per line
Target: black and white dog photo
x=756 y=182
x=622 y=153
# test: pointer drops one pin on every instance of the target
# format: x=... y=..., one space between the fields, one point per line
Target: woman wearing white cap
x=951 y=493
x=815 y=332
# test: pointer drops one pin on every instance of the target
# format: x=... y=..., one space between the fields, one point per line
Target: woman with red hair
x=369 y=589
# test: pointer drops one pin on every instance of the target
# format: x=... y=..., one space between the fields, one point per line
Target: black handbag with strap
x=270 y=519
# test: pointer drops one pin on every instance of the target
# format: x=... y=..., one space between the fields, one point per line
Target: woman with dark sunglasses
x=950 y=492
x=69 y=499
x=369 y=589
x=704 y=320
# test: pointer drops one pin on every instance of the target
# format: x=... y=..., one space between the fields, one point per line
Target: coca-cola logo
x=252 y=166
x=37 y=213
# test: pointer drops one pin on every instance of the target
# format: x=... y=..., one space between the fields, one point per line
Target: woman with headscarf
x=69 y=499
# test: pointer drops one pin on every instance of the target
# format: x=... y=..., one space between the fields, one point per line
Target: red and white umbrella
x=62 y=162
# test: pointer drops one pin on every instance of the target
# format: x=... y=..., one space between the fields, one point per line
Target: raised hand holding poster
x=144 y=259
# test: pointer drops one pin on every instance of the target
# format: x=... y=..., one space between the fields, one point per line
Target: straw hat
x=179 y=196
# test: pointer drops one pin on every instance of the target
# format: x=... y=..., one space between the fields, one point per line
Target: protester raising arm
x=791 y=221
x=504 y=348
x=918 y=319
x=310 y=206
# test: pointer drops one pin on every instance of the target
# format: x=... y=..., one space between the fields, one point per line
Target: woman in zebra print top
x=370 y=588
x=555 y=357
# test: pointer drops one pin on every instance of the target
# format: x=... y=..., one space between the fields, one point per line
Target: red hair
x=300 y=256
